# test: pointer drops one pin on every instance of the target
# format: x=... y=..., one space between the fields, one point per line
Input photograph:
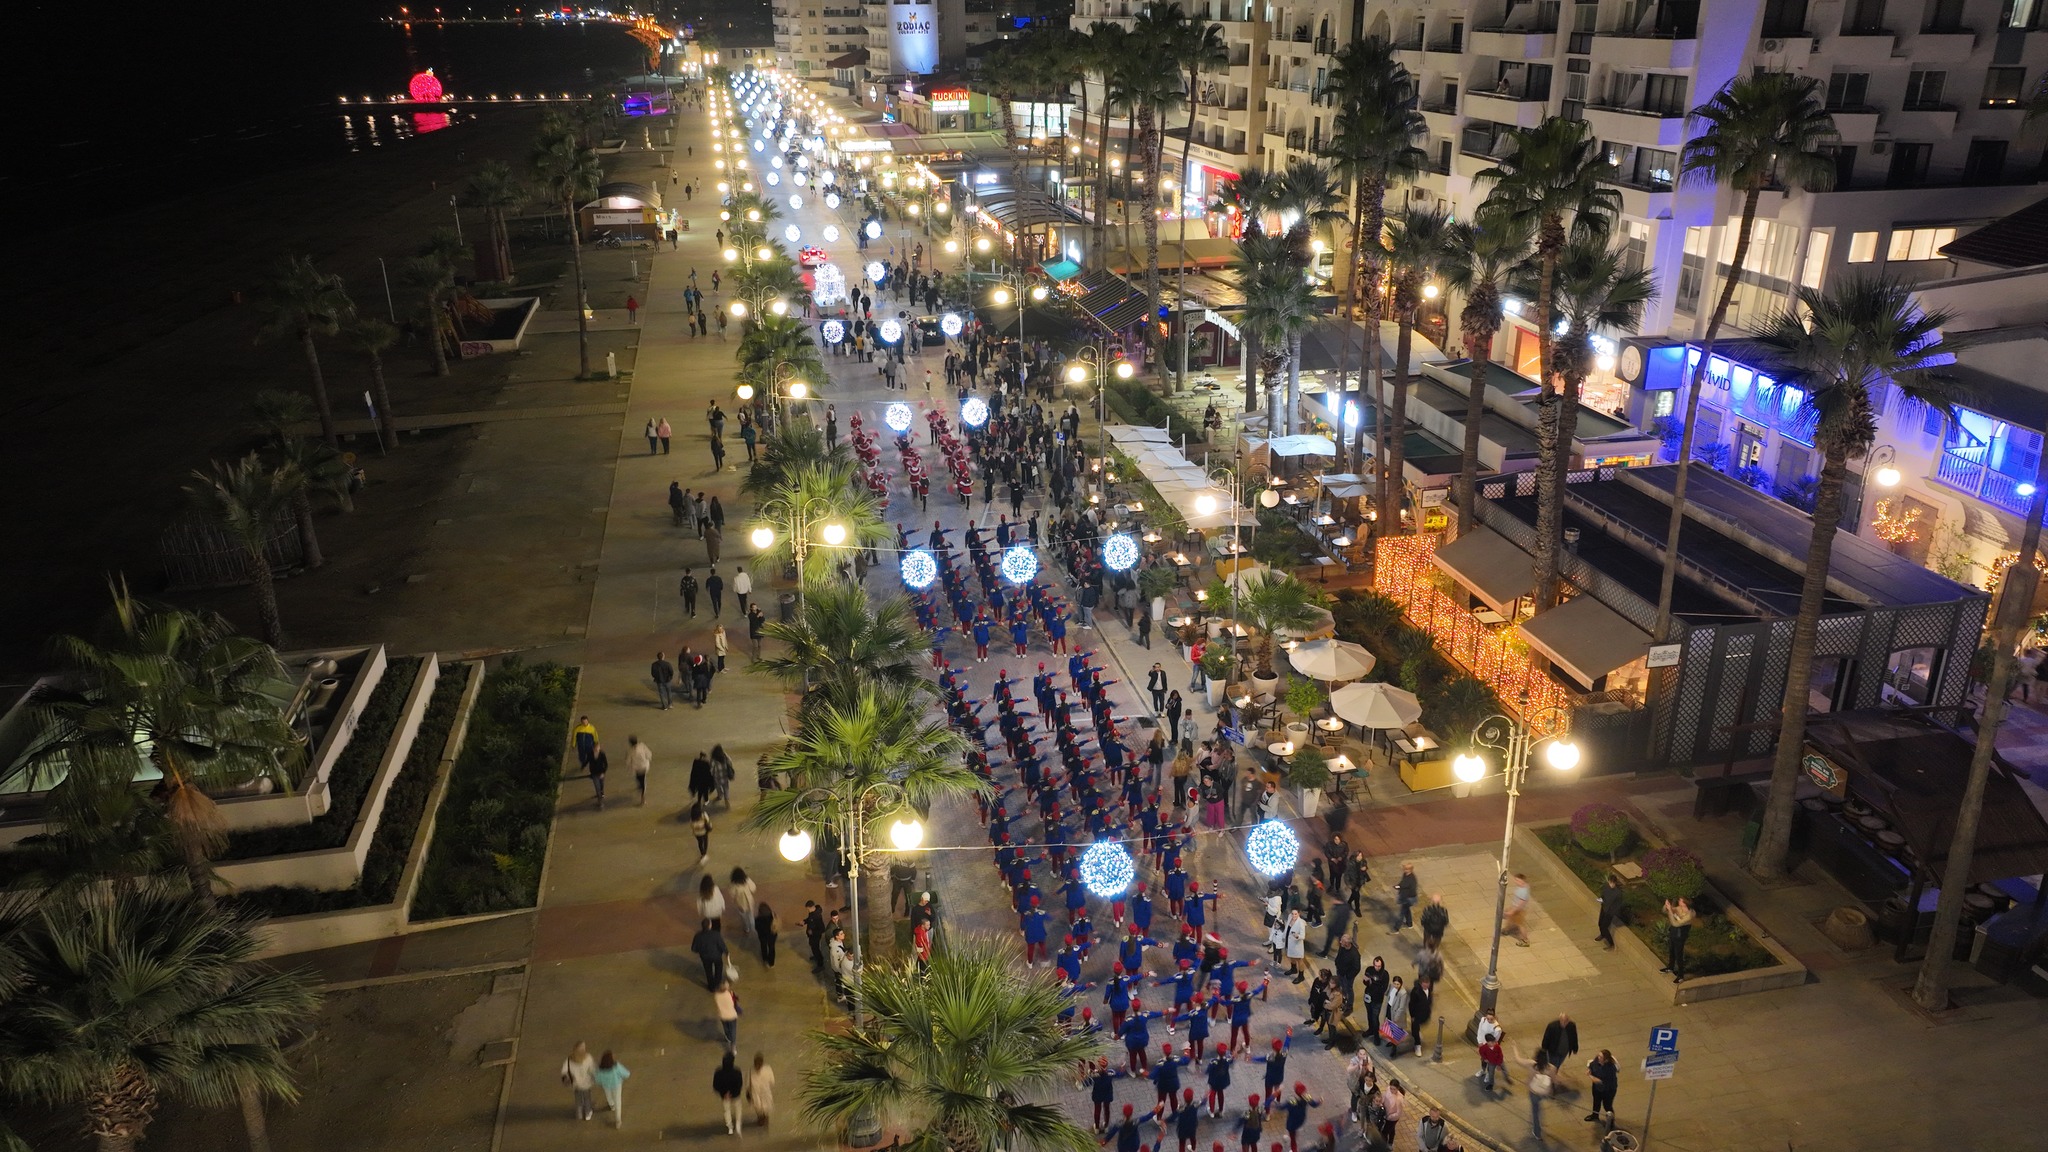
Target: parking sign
x=1663 y=1038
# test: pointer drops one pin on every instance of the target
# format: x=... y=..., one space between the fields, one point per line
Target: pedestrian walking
x=664 y=675
x=1540 y=1087
x=1421 y=1010
x=1404 y=897
x=1435 y=919
x=714 y=586
x=729 y=1084
x=611 y=1077
x=584 y=736
x=579 y=1075
x=709 y=945
x=717 y=454
x=640 y=758
x=664 y=431
x=703 y=779
x=700 y=827
x=767 y=928
x=676 y=503
x=714 y=539
x=1515 y=919
x=1605 y=1076
x=1678 y=916
x=1613 y=906
x=757 y=620
x=1560 y=1043
x=711 y=903
x=632 y=310
x=743 y=890
x=653 y=437
x=1337 y=925
x=722 y=773
x=761 y=1090
x=599 y=765
x=718 y=643
x=688 y=588
x=742 y=587
x=727 y=1005
x=700 y=680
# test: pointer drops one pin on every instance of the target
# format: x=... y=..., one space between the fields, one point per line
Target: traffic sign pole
x=1661 y=1062
x=1647 y=1113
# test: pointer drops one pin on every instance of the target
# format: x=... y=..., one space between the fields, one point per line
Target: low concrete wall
x=313 y=800
x=341 y=867
x=1787 y=973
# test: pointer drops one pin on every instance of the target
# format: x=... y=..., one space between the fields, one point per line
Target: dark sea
x=168 y=101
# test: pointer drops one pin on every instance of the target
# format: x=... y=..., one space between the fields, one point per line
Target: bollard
x=636 y=268
x=1438 y=1055
x=611 y=365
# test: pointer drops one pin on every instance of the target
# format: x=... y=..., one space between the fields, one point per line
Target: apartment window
x=1846 y=90
x=1862 y=247
x=1816 y=264
x=1930 y=420
x=1863 y=17
x=1573 y=110
x=1985 y=163
x=1581 y=43
x=1664 y=94
x=1654 y=168
x=1692 y=270
x=1537 y=87
x=1918 y=243
x=2020 y=14
x=1923 y=89
x=1784 y=18
x=2004 y=87
x=1944 y=16
x=1909 y=165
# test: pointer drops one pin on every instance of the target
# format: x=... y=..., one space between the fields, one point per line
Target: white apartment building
x=811 y=33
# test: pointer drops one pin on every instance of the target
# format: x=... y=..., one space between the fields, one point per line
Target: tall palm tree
x=783 y=347
x=246 y=498
x=781 y=453
x=1273 y=602
x=1248 y=196
x=1305 y=196
x=1278 y=305
x=1596 y=292
x=568 y=174
x=1106 y=44
x=278 y=415
x=432 y=279
x=813 y=500
x=969 y=1056
x=1482 y=262
x=498 y=192
x=1840 y=346
x=1155 y=89
x=1419 y=242
x=204 y=705
x=1196 y=46
x=1554 y=176
x=128 y=997
x=373 y=337
x=882 y=733
x=302 y=301
x=843 y=640
x=1371 y=145
x=1762 y=131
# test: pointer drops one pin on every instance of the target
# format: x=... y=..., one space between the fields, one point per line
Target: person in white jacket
x=640 y=758
x=579 y=1073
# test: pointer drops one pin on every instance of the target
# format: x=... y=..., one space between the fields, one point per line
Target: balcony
x=1654 y=128
x=1514 y=44
x=1852 y=49
x=1922 y=121
x=1641 y=53
x=1855 y=124
x=1505 y=108
x=1961 y=467
x=1326 y=45
x=1447 y=56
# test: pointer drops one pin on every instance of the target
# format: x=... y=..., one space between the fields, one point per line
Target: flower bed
x=491 y=836
x=405 y=805
x=1717 y=945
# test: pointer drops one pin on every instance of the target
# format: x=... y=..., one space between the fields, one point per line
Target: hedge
x=405 y=806
x=1602 y=829
x=1453 y=703
x=1717 y=944
x=348 y=782
x=1138 y=404
x=491 y=838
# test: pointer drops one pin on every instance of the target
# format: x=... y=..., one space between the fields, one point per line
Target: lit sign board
x=914 y=38
x=949 y=100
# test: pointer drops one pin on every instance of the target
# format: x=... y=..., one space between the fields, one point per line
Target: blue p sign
x=1663 y=1038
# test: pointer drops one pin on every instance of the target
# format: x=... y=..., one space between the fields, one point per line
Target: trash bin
x=785 y=607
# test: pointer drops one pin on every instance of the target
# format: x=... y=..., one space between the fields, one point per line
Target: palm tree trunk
x=254 y=1123
x=1149 y=140
x=2015 y=598
x=1365 y=241
x=1293 y=412
x=1775 y=841
x=1253 y=356
x=264 y=583
x=436 y=317
x=1102 y=181
x=1180 y=282
x=1354 y=390
x=1274 y=388
x=327 y=431
x=383 y=394
x=582 y=322
x=1393 y=482
x=309 y=540
x=503 y=235
x=1478 y=349
x=1549 y=504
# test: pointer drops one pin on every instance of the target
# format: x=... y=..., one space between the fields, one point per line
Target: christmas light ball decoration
x=877 y=271
x=795 y=201
x=773 y=179
x=425 y=87
x=974 y=412
x=891 y=331
x=950 y=324
x=831 y=233
x=1272 y=848
x=1020 y=564
x=1107 y=870
x=898 y=416
x=1119 y=552
x=834 y=331
x=874 y=229
x=792 y=233
x=832 y=200
x=919 y=569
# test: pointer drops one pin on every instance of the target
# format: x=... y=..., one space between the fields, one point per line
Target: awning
x=853 y=59
x=1138 y=434
x=1496 y=571
x=1114 y=302
x=1586 y=638
x=1059 y=270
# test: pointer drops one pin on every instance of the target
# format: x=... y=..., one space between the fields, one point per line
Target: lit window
x=1862 y=247
x=1816 y=258
x=1918 y=243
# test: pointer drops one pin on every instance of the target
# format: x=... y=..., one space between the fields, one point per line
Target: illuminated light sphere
x=775 y=163
x=974 y=411
x=874 y=230
x=795 y=201
x=891 y=331
x=834 y=331
x=898 y=416
x=773 y=180
x=950 y=324
x=906 y=835
x=744 y=391
x=1272 y=848
x=758 y=146
x=1020 y=564
x=831 y=199
x=833 y=534
x=779 y=307
x=1107 y=869
x=797 y=178
x=764 y=537
x=425 y=87
x=1119 y=552
x=831 y=233
x=919 y=569
x=795 y=845
x=792 y=233
x=1205 y=504
x=877 y=271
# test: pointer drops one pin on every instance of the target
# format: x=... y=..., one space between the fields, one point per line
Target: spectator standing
x=1613 y=906
x=1678 y=914
x=664 y=674
x=1605 y=1075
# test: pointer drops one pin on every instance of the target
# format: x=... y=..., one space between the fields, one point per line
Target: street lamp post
x=848 y=817
x=1004 y=293
x=1230 y=477
x=798 y=526
x=1097 y=366
x=1514 y=741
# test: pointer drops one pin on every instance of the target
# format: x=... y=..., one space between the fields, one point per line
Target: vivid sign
x=914 y=38
x=949 y=100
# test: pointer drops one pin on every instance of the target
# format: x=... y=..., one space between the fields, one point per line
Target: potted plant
x=1217 y=666
x=1273 y=602
x=1303 y=698
x=1309 y=773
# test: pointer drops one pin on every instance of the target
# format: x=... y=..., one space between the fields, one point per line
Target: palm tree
x=279 y=415
x=782 y=452
x=1372 y=144
x=1095 y=51
x=1247 y=197
x=1155 y=93
x=305 y=302
x=967 y=1056
x=1839 y=346
x=1197 y=45
x=99 y=829
x=1419 y=241
x=129 y=997
x=1764 y=131
x=776 y=349
x=568 y=175
x=204 y=705
x=246 y=498
x=1305 y=196
x=1270 y=603
x=498 y=192
x=373 y=337
x=812 y=502
x=847 y=746
x=1279 y=304
x=1596 y=292
x=1482 y=262
x=1553 y=171
x=843 y=640
x=432 y=279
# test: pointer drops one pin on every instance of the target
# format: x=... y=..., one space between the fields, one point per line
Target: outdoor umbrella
x=1302 y=445
x=1376 y=705
x=1331 y=660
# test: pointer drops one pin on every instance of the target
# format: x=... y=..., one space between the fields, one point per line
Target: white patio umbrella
x=1302 y=445
x=1376 y=705
x=1331 y=660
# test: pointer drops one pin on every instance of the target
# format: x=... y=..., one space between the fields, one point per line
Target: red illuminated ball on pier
x=425 y=87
